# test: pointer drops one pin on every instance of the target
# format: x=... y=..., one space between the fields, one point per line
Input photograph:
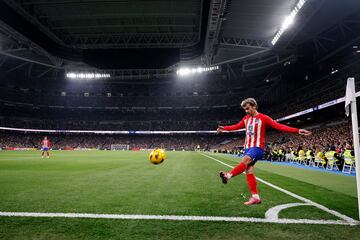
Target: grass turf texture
x=185 y=184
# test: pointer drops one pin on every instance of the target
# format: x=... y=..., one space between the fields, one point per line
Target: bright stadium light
x=87 y=75
x=185 y=71
x=288 y=21
x=333 y=71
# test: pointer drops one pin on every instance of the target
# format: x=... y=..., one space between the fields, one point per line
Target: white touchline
x=172 y=217
x=339 y=215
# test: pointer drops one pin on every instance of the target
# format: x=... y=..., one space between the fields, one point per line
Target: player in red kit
x=45 y=147
x=255 y=125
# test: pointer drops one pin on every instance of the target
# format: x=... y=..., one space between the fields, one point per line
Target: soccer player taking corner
x=255 y=125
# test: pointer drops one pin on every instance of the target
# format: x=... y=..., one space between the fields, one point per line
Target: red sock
x=238 y=169
x=47 y=153
x=251 y=180
x=42 y=154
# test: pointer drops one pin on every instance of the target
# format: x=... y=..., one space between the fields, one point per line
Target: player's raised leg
x=240 y=168
x=251 y=180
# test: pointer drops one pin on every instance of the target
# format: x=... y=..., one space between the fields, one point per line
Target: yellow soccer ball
x=157 y=156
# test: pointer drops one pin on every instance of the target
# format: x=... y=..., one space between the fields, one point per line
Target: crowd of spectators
x=332 y=138
x=324 y=136
x=158 y=125
x=97 y=141
x=204 y=115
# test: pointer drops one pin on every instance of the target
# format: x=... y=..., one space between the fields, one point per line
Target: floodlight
x=86 y=75
x=184 y=71
x=288 y=21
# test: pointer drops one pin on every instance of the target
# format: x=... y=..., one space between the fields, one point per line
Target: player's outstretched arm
x=237 y=126
x=281 y=127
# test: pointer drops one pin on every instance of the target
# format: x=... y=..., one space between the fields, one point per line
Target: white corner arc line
x=335 y=213
x=172 y=217
x=273 y=213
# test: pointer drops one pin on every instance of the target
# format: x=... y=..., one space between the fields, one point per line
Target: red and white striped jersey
x=45 y=143
x=255 y=129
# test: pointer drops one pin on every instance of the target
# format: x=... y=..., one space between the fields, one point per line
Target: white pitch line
x=337 y=214
x=172 y=218
x=273 y=213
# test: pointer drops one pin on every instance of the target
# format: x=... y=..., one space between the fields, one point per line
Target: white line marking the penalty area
x=335 y=213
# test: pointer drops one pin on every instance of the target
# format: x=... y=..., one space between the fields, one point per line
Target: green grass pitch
x=187 y=183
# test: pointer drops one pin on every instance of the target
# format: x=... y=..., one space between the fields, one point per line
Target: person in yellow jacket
x=294 y=155
x=309 y=156
x=301 y=155
x=332 y=157
x=349 y=157
x=319 y=157
x=274 y=154
x=281 y=154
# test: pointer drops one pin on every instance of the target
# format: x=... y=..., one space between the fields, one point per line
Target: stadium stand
x=104 y=142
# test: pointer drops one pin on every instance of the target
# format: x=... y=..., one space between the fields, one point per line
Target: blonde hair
x=250 y=101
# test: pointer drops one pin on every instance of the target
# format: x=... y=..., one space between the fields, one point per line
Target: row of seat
x=328 y=162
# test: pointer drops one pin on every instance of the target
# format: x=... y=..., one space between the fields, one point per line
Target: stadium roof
x=159 y=34
x=116 y=24
x=249 y=26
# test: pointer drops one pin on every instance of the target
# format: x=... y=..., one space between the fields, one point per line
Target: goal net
x=119 y=147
